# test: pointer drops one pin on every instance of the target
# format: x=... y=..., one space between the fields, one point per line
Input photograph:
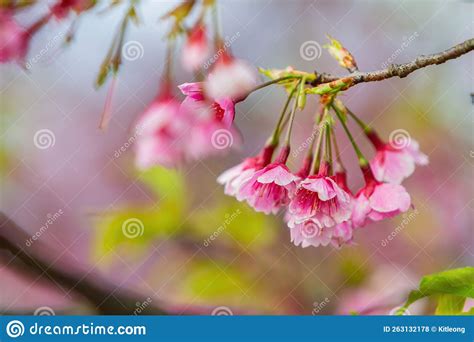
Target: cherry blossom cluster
x=319 y=207
x=317 y=204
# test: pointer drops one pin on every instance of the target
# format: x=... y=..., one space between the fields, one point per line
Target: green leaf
x=450 y=304
x=458 y=282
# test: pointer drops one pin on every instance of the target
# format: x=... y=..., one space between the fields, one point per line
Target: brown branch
x=400 y=70
x=107 y=298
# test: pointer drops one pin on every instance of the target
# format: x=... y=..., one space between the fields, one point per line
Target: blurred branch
x=106 y=298
x=398 y=70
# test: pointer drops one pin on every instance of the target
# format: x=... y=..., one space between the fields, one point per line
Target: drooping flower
x=235 y=177
x=392 y=164
x=269 y=189
x=230 y=78
x=160 y=134
x=196 y=49
x=223 y=108
x=378 y=201
x=320 y=198
x=14 y=39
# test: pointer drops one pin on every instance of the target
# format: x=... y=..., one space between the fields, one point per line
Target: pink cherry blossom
x=320 y=198
x=223 y=108
x=196 y=49
x=234 y=178
x=268 y=189
x=378 y=201
x=14 y=39
x=160 y=134
x=231 y=78
x=392 y=164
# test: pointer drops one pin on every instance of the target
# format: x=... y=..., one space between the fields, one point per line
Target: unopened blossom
x=318 y=197
x=393 y=164
x=230 y=77
x=160 y=134
x=196 y=49
x=14 y=39
x=269 y=189
x=378 y=201
x=222 y=108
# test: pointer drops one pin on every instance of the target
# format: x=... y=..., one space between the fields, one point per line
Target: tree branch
x=399 y=70
x=105 y=296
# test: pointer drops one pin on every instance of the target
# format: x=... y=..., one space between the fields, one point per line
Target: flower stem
x=292 y=119
x=339 y=166
x=362 y=160
x=366 y=128
x=328 y=153
x=276 y=80
x=317 y=150
x=275 y=137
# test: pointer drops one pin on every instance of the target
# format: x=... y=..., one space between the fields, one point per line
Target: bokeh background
x=251 y=266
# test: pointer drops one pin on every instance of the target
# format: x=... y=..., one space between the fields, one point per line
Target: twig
x=399 y=70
